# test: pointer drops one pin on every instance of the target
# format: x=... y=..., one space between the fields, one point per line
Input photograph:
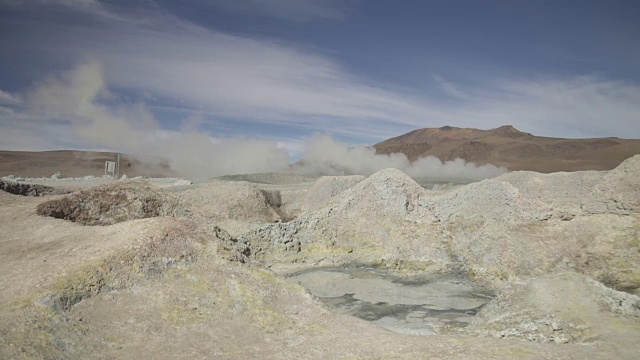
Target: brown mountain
x=77 y=163
x=506 y=146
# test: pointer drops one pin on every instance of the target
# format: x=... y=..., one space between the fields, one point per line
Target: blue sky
x=115 y=74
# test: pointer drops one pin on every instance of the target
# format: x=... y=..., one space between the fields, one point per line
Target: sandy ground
x=207 y=309
x=179 y=287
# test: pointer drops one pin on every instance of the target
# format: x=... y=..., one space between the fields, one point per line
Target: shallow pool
x=420 y=307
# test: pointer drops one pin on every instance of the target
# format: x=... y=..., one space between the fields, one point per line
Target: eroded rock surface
x=618 y=192
x=376 y=220
x=111 y=204
x=520 y=228
x=17 y=188
x=561 y=307
x=494 y=230
x=229 y=200
x=327 y=187
x=235 y=205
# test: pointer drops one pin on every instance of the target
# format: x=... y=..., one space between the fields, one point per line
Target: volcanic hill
x=516 y=150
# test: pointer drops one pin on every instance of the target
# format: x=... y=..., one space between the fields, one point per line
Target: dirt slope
x=506 y=146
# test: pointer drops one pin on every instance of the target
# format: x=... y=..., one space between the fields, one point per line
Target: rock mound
x=563 y=191
x=561 y=308
x=224 y=200
x=525 y=223
x=390 y=192
x=171 y=243
x=17 y=188
x=375 y=221
x=482 y=224
x=500 y=230
x=618 y=191
x=487 y=200
x=111 y=204
x=327 y=187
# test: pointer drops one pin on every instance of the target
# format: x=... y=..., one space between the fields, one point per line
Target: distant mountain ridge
x=509 y=147
x=446 y=133
x=75 y=163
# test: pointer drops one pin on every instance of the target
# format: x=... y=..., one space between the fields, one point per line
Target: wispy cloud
x=297 y=10
x=201 y=73
x=77 y=10
x=243 y=78
x=577 y=107
x=448 y=87
x=86 y=6
x=270 y=82
x=70 y=3
x=7 y=98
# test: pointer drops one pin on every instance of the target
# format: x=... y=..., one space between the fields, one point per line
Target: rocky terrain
x=508 y=147
x=128 y=268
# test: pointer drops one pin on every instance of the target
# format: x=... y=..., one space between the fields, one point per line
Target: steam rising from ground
x=199 y=157
x=79 y=107
x=324 y=156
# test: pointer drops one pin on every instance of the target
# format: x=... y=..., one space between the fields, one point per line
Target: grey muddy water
x=409 y=306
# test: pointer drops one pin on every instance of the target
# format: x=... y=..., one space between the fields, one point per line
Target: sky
x=124 y=74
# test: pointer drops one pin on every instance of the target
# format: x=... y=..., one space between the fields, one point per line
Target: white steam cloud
x=82 y=109
x=198 y=156
x=325 y=156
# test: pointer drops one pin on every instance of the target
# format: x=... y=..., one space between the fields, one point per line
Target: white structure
x=110 y=168
x=118 y=165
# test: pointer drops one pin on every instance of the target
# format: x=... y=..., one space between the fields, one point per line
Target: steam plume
x=78 y=104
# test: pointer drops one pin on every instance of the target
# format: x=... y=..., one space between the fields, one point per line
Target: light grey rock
x=564 y=192
x=182 y=182
x=559 y=307
x=111 y=204
x=327 y=187
x=618 y=192
x=365 y=223
x=237 y=206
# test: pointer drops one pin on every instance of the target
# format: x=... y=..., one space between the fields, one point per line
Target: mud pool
x=418 y=307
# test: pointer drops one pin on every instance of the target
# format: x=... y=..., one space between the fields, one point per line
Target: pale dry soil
x=178 y=287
